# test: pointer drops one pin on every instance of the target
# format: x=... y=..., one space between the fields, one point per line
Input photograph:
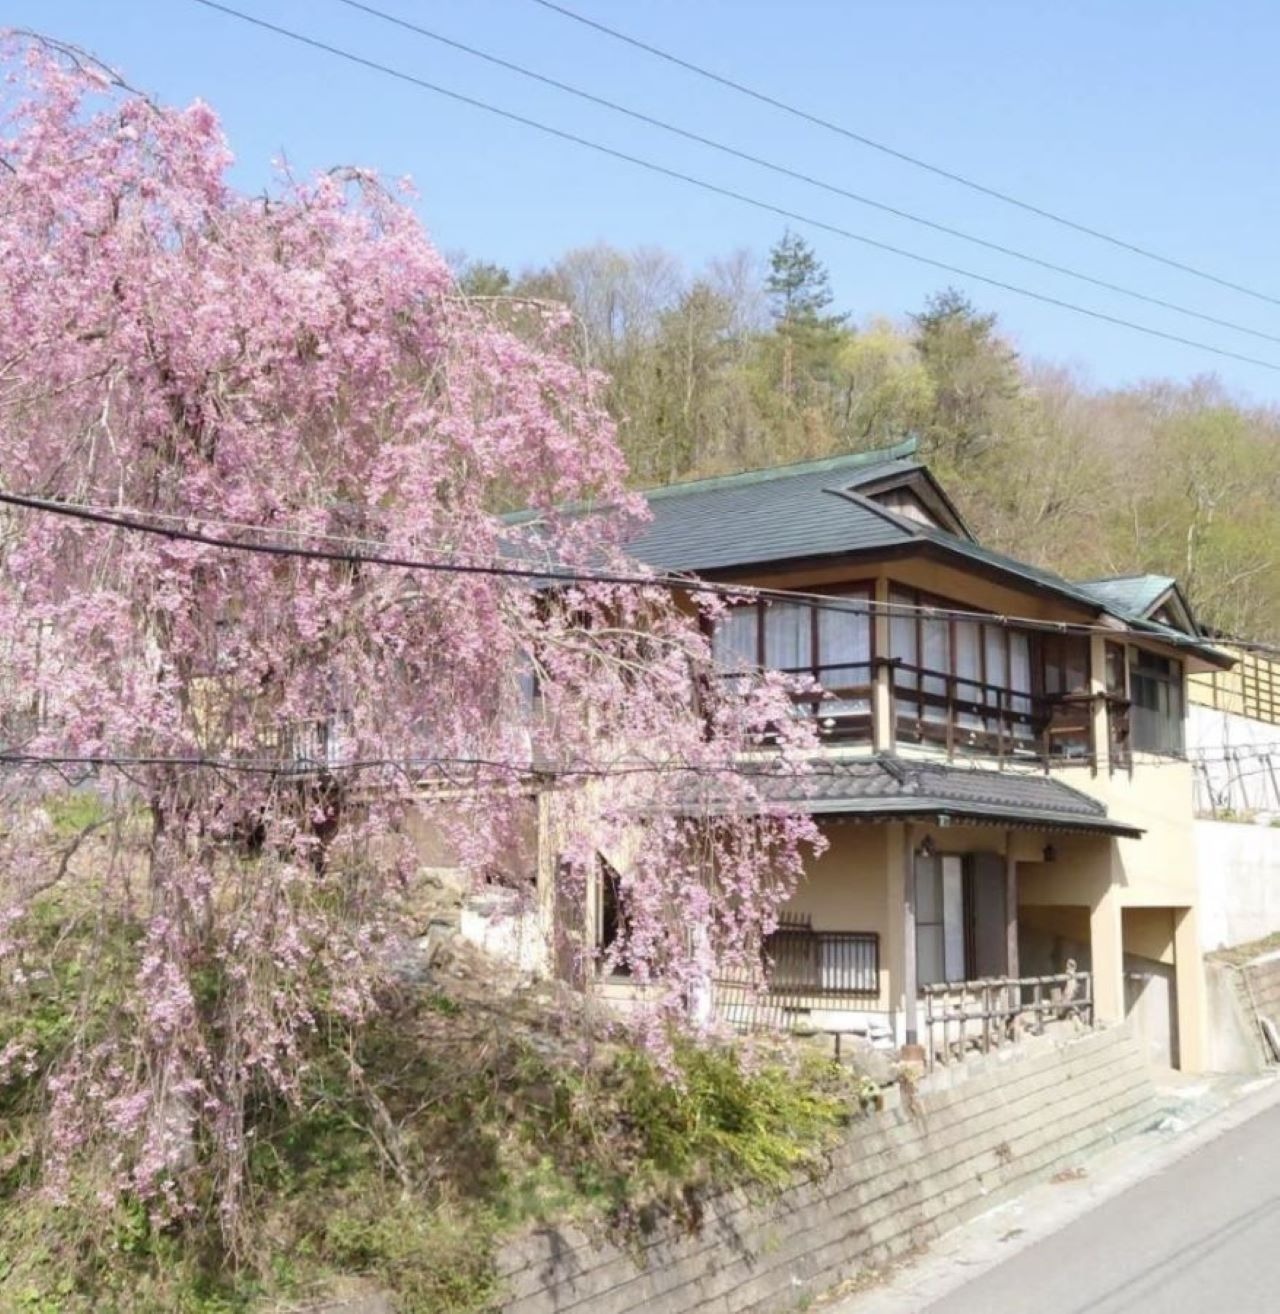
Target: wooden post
x=1010 y=907
x=882 y=695
x=1099 y=716
x=951 y=717
x=909 y=969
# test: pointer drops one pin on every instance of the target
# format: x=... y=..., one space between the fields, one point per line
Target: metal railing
x=964 y=1016
x=805 y=968
x=812 y=963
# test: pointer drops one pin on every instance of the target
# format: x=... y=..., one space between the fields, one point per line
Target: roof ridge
x=1117 y=579
x=762 y=474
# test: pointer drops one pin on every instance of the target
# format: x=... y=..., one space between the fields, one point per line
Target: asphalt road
x=1199 y=1237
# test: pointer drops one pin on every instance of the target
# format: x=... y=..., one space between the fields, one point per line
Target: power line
x=548 y=575
x=743 y=198
x=814 y=769
x=914 y=160
x=796 y=174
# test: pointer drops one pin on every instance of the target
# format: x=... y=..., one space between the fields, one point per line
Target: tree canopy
x=745 y=363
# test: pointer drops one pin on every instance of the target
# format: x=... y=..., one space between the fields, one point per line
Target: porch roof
x=887 y=787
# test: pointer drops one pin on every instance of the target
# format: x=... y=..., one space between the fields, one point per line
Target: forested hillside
x=747 y=362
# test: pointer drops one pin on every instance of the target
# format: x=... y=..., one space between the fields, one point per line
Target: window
x=980 y=671
x=831 y=644
x=736 y=641
x=611 y=916
x=1155 y=687
x=808 y=962
x=1066 y=664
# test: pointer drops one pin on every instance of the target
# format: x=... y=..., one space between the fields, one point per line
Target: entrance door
x=1151 y=1008
x=960 y=917
x=940 y=920
x=990 y=939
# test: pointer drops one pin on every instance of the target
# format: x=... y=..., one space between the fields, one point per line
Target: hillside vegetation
x=746 y=363
x=467 y=1109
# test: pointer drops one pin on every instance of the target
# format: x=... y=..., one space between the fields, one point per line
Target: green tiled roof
x=795 y=512
x=1132 y=596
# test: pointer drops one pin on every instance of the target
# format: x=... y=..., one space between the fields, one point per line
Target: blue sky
x=1153 y=119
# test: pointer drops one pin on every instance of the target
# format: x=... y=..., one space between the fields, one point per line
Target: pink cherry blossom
x=300 y=368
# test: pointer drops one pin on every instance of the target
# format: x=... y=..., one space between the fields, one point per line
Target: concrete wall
x=900 y=1180
x=1238 y=866
x=1239 y=995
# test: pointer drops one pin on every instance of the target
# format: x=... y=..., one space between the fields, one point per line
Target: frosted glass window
x=1020 y=682
x=930 y=958
x=788 y=636
x=969 y=670
x=844 y=642
x=997 y=655
x=928 y=891
x=902 y=639
x=844 y=655
x=939 y=919
x=953 y=916
x=734 y=641
x=936 y=640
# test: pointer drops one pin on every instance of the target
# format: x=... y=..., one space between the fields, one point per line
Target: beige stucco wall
x=847 y=889
x=1158 y=796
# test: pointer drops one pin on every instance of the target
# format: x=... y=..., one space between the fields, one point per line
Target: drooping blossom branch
x=301 y=363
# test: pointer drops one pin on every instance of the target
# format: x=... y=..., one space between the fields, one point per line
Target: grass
x=420 y=1143
x=1240 y=954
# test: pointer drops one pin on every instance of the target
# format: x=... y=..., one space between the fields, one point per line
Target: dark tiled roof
x=793 y=512
x=785 y=513
x=884 y=787
x=813 y=510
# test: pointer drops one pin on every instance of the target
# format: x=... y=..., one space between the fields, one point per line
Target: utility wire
x=796 y=174
x=547 y=575
x=409 y=763
x=743 y=198
x=814 y=769
x=914 y=160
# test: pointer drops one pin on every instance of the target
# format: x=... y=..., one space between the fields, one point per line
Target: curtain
x=1020 y=682
x=936 y=656
x=844 y=655
x=733 y=642
x=902 y=639
x=969 y=669
x=788 y=636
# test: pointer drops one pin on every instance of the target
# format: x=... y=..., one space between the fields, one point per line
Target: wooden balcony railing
x=963 y=715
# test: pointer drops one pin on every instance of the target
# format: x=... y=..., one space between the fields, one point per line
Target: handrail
x=999 y=1005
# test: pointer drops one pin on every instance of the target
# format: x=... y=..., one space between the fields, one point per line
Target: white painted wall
x=1238 y=873
x=1238 y=764
x=505 y=924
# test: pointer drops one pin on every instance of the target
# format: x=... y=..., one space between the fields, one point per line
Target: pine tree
x=799 y=290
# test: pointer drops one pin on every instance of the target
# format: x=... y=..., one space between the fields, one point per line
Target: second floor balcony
x=961 y=686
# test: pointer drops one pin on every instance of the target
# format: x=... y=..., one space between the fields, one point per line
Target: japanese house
x=1003 y=796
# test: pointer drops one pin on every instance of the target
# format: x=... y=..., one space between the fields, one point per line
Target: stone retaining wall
x=974 y=1134
x=1263 y=975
